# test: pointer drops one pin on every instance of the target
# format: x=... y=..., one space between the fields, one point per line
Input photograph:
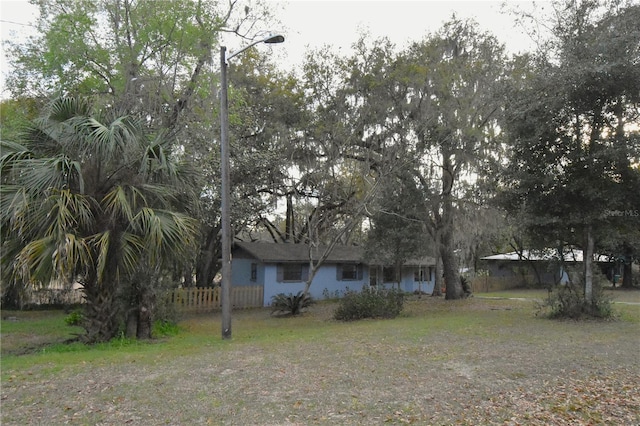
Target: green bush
x=370 y=303
x=568 y=301
x=74 y=318
x=290 y=304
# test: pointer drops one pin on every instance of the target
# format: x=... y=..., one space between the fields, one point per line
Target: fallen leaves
x=595 y=400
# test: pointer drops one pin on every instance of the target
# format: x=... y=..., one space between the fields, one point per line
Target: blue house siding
x=325 y=281
x=409 y=284
x=264 y=260
x=406 y=281
x=241 y=272
x=426 y=286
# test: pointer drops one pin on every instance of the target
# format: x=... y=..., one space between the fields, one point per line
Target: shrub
x=370 y=303
x=568 y=301
x=74 y=318
x=290 y=304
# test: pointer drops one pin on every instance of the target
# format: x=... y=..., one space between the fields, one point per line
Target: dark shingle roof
x=289 y=252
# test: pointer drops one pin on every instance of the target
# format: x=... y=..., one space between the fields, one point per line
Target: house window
x=420 y=275
x=349 y=272
x=254 y=272
x=389 y=274
x=292 y=272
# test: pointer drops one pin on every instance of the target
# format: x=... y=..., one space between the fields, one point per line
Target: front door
x=373 y=276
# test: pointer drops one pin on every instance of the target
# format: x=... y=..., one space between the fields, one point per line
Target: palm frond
x=70 y=254
x=11 y=156
x=39 y=175
x=162 y=195
x=64 y=108
x=34 y=262
x=13 y=201
x=166 y=234
x=24 y=216
x=131 y=249
x=69 y=211
x=100 y=244
x=123 y=201
x=57 y=130
x=112 y=140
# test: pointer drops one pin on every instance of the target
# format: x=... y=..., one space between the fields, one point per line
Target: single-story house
x=284 y=268
x=545 y=266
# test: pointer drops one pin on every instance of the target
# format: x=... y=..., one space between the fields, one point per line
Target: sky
x=311 y=24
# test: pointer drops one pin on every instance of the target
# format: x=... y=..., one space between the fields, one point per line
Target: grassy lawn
x=474 y=361
x=616 y=295
x=28 y=331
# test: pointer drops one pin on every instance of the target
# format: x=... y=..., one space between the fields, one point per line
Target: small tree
x=398 y=232
x=569 y=126
x=92 y=198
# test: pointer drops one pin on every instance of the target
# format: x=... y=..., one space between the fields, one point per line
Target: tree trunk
x=101 y=312
x=450 y=267
x=398 y=271
x=289 y=225
x=313 y=269
x=437 y=287
x=588 y=265
x=144 y=323
x=627 y=275
x=627 y=271
x=187 y=277
x=132 y=324
x=208 y=259
x=145 y=301
x=449 y=263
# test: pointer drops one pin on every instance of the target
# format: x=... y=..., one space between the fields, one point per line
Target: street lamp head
x=274 y=38
x=271 y=39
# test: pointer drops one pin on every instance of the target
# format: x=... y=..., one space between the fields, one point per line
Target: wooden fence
x=208 y=299
x=50 y=297
x=487 y=284
x=183 y=299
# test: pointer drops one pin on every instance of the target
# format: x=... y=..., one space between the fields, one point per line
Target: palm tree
x=92 y=198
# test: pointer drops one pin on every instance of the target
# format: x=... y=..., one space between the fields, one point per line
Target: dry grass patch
x=475 y=361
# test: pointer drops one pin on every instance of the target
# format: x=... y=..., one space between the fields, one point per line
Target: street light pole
x=225 y=196
x=225 y=213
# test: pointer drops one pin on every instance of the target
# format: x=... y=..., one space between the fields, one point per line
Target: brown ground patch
x=465 y=362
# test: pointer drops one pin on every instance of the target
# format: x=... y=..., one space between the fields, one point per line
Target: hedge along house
x=284 y=268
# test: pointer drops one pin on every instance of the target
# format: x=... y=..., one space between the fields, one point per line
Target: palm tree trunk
x=101 y=312
x=145 y=309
